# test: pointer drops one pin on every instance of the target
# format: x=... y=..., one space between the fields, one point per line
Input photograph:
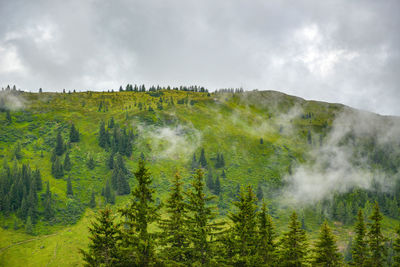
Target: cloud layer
x=337 y=51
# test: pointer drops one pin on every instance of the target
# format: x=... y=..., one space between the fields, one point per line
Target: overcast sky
x=336 y=51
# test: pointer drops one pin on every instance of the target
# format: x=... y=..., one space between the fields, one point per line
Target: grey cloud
x=337 y=51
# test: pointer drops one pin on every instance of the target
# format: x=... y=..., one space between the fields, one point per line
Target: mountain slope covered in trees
x=65 y=155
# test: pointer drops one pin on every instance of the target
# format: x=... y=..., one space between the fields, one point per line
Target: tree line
x=188 y=233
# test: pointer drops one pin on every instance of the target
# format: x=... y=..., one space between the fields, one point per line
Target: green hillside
x=265 y=139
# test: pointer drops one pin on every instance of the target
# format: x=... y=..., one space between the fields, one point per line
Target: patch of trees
x=190 y=235
x=117 y=141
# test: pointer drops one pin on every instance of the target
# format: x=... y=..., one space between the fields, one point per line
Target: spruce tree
x=202 y=159
x=110 y=161
x=174 y=231
x=73 y=134
x=244 y=229
x=29 y=226
x=293 y=245
x=69 y=187
x=59 y=149
x=67 y=162
x=8 y=116
x=103 y=250
x=38 y=180
x=376 y=240
x=260 y=194
x=210 y=181
x=266 y=247
x=217 y=186
x=103 y=138
x=48 y=209
x=360 y=245
x=138 y=242
x=326 y=252
x=200 y=221
x=92 y=202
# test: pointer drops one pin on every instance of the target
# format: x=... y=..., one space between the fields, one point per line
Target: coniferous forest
x=184 y=177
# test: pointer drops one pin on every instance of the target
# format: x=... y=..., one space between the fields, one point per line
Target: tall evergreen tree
x=69 y=187
x=92 y=202
x=210 y=180
x=59 y=149
x=244 y=229
x=29 y=226
x=326 y=252
x=73 y=134
x=37 y=177
x=48 y=209
x=57 y=168
x=360 y=245
x=67 y=162
x=200 y=221
x=103 y=137
x=260 y=194
x=293 y=245
x=202 y=159
x=217 y=186
x=138 y=242
x=266 y=247
x=103 y=250
x=376 y=240
x=8 y=116
x=174 y=231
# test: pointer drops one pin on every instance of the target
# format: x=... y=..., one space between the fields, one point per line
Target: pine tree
x=103 y=137
x=293 y=245
x=376 y=240
x=194 y=164
x=396 y=249
x=109 y=195
x=73 y=134
x=360 y=245
x=199 y=218
x=110 y=161
x=57 y=169
x=92 y=202
x=48 y=209
x=202 y=159
x=266 y=237
x=210 y=181
x=326 y=251
x=69 y=187
x=59 y=149
x=138 y=243
x=8 y=116
x=67 y=162
x=37 y=177
x=103 y=250
x=174 y=231
x=244 y=230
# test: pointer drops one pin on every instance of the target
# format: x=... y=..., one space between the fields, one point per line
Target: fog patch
x=11 y=101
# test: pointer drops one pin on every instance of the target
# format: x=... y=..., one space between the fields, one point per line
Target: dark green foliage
x=200 y=221
x=174 y=228
x=103 y=250
x=194 y=164
x=59 y=149
x=326 y=252
x=29 y=226
x=376 y=240
x=293 y=246
x=69 y=187
x=259 y=194
x=266 y=246
x=110 y=161
x=37 y=177
x=109 y=195
x=220 y=163
x=73 y=134
x=210 y=181
x=137 y=243
x=217 y=186
x=48 y=208
x=92 y=203
x=309 y=137
x=243 y=236
x=67 y=162
x=119 y=180
x=261 y=141
x=202 y=159
x=57 y=169
x=103 y=136
x=360 y=245
x=17 y=151
x=8 y=116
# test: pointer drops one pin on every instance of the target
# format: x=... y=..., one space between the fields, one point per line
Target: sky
x=335 y=51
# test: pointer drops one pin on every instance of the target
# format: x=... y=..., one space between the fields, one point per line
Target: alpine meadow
x=164 y=176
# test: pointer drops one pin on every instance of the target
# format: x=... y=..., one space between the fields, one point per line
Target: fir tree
x=8 y=116
x=103 y=137
x=376 y=240
x=29 y=226
x=59 y=149
x=200 y=217
x=138 y=243
x=326 y=252
x=73 y=134
x=48 y=210
x=194 y=164
x=37 y=177
x=217 y=186
x=67 y=162
x=202 y=159
x=92 y=202
x=266 y=237
x=244 y=230
x=293 y=245
x=110 y=161
x=69 y=187
x=174 y=231
x=260 y=194
x=57 y=168
x=210 y=181
x=360 y=245
x=103 y=250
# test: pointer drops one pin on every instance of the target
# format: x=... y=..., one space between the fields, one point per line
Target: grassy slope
x=225 y=123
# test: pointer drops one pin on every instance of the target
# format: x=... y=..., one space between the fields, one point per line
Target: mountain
x=325 y=160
